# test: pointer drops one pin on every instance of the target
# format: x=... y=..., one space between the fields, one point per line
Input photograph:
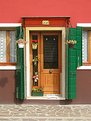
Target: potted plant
x=35 y=77
x=37 y=91
x=34 y=44
x=21 y=43
x=71 y=43
x=35 y=60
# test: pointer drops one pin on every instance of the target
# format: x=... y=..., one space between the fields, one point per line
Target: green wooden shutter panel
x=79 y=46
x=20 y=67
x=73 y=59
x=17 y=32
x=72 y=73
x=71 y=66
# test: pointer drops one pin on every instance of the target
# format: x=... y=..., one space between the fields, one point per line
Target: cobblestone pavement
x=26 y=112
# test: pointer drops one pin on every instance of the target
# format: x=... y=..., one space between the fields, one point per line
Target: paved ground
x=26 y=112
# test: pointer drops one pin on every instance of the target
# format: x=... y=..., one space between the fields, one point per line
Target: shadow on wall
x=3 y=82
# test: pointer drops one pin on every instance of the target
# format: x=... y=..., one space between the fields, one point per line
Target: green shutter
x=20 y=66
x=71 y=64
x=79 y=46
x=73 y=59
x=72 y=73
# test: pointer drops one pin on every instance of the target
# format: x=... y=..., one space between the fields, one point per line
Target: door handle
x=50 y=71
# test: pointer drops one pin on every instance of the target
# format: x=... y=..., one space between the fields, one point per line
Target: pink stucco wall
x=13 y=10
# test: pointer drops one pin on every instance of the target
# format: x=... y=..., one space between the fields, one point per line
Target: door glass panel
x=50 y=49
x=35 y=59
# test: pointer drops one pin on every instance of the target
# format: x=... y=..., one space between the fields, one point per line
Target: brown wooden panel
x=50 y=83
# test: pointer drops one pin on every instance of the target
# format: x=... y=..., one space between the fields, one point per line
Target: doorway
x=46 y=61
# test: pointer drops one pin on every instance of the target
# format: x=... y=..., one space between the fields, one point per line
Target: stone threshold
x=48 y=97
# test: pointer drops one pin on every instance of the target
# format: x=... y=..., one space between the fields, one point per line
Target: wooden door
x=51 y=57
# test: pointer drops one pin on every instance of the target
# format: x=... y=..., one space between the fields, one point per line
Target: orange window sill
x=7 y=64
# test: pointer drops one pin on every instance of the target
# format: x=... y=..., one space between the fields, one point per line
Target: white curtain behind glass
x=84 y=46
x=12 y=46
x=2 y=46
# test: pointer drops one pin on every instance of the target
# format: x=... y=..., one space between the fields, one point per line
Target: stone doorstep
x=46 y=97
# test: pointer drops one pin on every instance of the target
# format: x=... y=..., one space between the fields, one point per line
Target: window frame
x=7 y=47
x=85 y=65
x=88 y=63
x=8 y=27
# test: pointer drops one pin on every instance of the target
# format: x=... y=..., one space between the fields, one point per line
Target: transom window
x=7 y=47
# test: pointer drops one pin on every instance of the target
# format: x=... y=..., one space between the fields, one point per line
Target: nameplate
x=45 y=22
